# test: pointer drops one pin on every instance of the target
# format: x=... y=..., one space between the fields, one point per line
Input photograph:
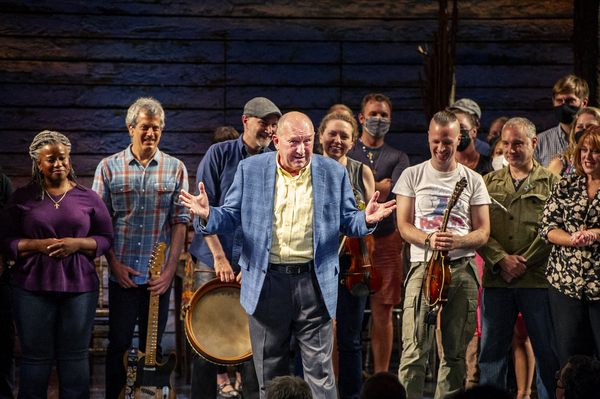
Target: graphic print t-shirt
x=432 y=190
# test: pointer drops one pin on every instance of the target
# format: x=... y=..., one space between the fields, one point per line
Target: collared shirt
x=482 y=147
x=551 y=144
x=143 y=203
x=515 y=219
x=574 y=271
x=217 y=170
x=292 y=240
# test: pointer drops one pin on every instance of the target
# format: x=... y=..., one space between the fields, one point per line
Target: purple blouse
x=81 y=214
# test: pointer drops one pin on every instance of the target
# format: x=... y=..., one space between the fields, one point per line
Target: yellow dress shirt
x=292 y=240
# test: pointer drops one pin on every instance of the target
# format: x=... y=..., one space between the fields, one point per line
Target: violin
x=436 y=279
x=362 y=277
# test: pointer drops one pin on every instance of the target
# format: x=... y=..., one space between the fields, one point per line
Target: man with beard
x=291 y=207
x=387 y=165
x=466 y=153
x=221 y=253
x=422 y=194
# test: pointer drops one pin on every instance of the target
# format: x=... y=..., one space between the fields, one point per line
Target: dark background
x=75 y=66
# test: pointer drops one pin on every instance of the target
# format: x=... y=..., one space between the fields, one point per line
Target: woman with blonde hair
x=563 y=163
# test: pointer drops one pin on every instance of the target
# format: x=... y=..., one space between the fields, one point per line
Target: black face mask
x=565 y=113
x=578 y=136
x=465 y=140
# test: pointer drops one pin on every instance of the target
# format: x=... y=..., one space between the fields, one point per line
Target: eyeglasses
x=558 y=376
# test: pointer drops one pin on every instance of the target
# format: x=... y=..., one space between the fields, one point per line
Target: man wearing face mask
x=466 y=153
x=568 y=95
x=470 y=107
x=387 y=165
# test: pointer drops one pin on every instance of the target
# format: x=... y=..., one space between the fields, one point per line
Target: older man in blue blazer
x=292 y=206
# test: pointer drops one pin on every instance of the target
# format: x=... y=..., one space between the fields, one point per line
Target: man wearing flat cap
x=221 y=253
x=470 y=107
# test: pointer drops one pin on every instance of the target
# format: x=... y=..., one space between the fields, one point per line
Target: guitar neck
x=445 y=220
x=152 y=333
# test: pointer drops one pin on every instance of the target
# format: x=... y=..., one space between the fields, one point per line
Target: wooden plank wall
x=76 y=65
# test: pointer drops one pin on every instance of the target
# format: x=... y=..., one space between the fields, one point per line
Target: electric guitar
x=147 y=379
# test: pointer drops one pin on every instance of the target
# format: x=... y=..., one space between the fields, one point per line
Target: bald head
x=294 y=120
x=294 y=141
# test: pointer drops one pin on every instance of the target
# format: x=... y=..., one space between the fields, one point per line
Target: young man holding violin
x=422 y=193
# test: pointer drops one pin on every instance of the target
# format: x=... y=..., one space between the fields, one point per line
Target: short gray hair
x=47 y=137
x=148 y=104
x=525 y=123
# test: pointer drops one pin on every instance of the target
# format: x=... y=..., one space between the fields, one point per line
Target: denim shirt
x=216 y=171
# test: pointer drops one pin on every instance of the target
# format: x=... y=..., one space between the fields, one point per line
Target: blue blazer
x=250 y=201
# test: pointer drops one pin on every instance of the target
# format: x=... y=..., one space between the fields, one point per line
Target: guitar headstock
x=458 y=189
x=156 y=260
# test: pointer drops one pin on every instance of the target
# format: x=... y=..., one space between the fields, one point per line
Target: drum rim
x=207 y=287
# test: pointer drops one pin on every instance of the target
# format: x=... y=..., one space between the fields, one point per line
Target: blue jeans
x=7 y=339
x=499 y=310
x=349 y=318
x=54 y=326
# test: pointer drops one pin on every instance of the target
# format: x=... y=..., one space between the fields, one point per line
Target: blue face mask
x=377 y=127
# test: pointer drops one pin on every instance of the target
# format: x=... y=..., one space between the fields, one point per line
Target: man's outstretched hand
x=198 y=205
x=376 y=211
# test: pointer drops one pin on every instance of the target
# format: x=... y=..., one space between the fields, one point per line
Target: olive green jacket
x=514 y=230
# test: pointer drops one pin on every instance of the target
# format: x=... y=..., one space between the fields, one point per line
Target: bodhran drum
x=216 y=324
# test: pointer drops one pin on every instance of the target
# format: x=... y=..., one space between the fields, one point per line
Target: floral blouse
x=574 y=271
x=568 y=168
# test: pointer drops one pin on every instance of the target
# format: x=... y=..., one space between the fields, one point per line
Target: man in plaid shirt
x=141 y=187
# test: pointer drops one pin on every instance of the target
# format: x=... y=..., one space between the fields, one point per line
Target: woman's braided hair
x=43 y=139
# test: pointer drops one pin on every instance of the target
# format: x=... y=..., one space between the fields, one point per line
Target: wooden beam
x=586 y=52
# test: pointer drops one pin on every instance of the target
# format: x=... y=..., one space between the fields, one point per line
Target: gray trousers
x=458 y=323
x=293 y=304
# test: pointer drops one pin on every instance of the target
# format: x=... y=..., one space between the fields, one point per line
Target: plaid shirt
x=143 y=203
x=551 y=144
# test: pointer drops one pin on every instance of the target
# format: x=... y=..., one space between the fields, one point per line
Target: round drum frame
x=216 y=324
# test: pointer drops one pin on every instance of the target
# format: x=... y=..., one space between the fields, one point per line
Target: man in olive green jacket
x=514 y=278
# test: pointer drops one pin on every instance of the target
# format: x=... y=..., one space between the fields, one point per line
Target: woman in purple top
x=54 y=228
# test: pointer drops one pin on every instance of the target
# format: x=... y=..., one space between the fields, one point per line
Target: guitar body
x=146 y=378
x=145 y=382
x=437 y=278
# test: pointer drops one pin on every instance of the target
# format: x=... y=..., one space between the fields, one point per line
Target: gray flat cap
x=259 y=107
x=467 y=105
